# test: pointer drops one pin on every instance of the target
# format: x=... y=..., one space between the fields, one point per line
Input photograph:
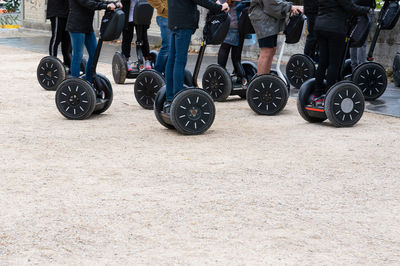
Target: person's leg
x=336 y=48
x=182 y=42
x=169 y=71
x=311 y=41
x=56 y=35
x=65 y=42
x=267 y=51
x=323 y=63
x=354 y=57
x=236 y=60
x=362 y=53
x=91 y=45
x=77 y=40
x=127 y=36
x=223 y=54
x=163 y=54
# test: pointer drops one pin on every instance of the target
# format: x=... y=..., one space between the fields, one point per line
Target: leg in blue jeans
x=178 y=50
x=163 y=54
x=78 y=40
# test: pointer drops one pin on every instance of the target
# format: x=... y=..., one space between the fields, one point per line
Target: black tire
x=251 y=71
x=344 y=104
x=158 y=107
x=304 y=96
x=75 y=98
x=346 y=70
x=371 y=78
x=286 y=80
x=50 y=73
x=267 y=95
x=217 y=82
x=299 y=69
x=192 y=111
x=153 y=57
x=104 y=92
x=188 y=80
x=396 y=70
x=119 y=68
x=147 y=84
x=83 y=66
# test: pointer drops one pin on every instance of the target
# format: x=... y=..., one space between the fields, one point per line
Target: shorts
x=269 y=42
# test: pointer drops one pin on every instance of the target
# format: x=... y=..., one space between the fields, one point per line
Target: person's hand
x=218 y=2
x=111 y=6
x=119 y=5
x=296 y=10
x=225 y=7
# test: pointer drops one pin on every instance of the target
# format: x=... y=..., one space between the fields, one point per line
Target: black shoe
x=167 y=107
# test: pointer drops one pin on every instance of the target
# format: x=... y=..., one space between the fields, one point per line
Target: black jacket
x=183 y=14
x=81 y=12
x=310 y=7
x=334 y=15
x=369 y=3
x=57 y=8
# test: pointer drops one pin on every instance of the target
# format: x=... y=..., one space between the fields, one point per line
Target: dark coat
x=310 y=7
x=334 y=15
x=369 y=3
x=57 y=8
x=81 y=13
x=183 y=14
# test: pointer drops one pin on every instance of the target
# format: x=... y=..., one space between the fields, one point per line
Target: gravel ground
x=120 y=189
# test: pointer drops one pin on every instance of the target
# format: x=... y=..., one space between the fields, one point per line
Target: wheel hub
x=74 y=100
x=267 y=97
x=194 y=113
x=347 y=105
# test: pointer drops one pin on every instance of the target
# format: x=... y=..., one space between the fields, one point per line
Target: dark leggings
x=60 y=35
x=331 y=49
x=236 y=56
x=141 y=35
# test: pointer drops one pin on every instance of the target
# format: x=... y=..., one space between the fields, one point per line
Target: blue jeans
x=78 y=40
x=163 y=54
x=177 y=58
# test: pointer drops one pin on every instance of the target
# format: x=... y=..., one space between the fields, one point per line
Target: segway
x=142 y=15
x=268 y=94
x=192 y=109
x=387 y=20
x=344 y=102
x=77 y=98
x=51 y=71
x=216 y=79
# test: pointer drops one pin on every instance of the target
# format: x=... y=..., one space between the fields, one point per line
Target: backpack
x=216 y=28
x=244 y=24
x=359 y=31
x=389 y=15
x=294 y=28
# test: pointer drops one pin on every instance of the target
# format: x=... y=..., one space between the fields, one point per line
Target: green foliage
x=379 y=4
x=12 y=5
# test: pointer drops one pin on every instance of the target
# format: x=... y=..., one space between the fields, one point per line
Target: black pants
x=236 y=56
x=141 y=36
x=331 y=49
x=59 y=34
x=311 y=42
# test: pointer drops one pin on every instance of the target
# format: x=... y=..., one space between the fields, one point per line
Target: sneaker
x=167 y=107
x=318 y=101
x=147 y=64
x=130 y=68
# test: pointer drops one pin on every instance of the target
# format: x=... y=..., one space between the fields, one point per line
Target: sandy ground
x=120 y=189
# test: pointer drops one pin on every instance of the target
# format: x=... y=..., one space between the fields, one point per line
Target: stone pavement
x=387 y=104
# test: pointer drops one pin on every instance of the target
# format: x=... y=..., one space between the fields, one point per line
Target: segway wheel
x=346 y=70
x=153 y=57
x=158 y=108
x=304 y=99
x=83 y=66
x=396 y=70
x=371 y=78
x=104 y=93
x=267 y=95
x=286 y=80
x=50 y=72
x=146 y=87
x=344 y=104
x=119 y=68
x=217 y=82
x=299 y=69
x=75 y=98
x=192 y=111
